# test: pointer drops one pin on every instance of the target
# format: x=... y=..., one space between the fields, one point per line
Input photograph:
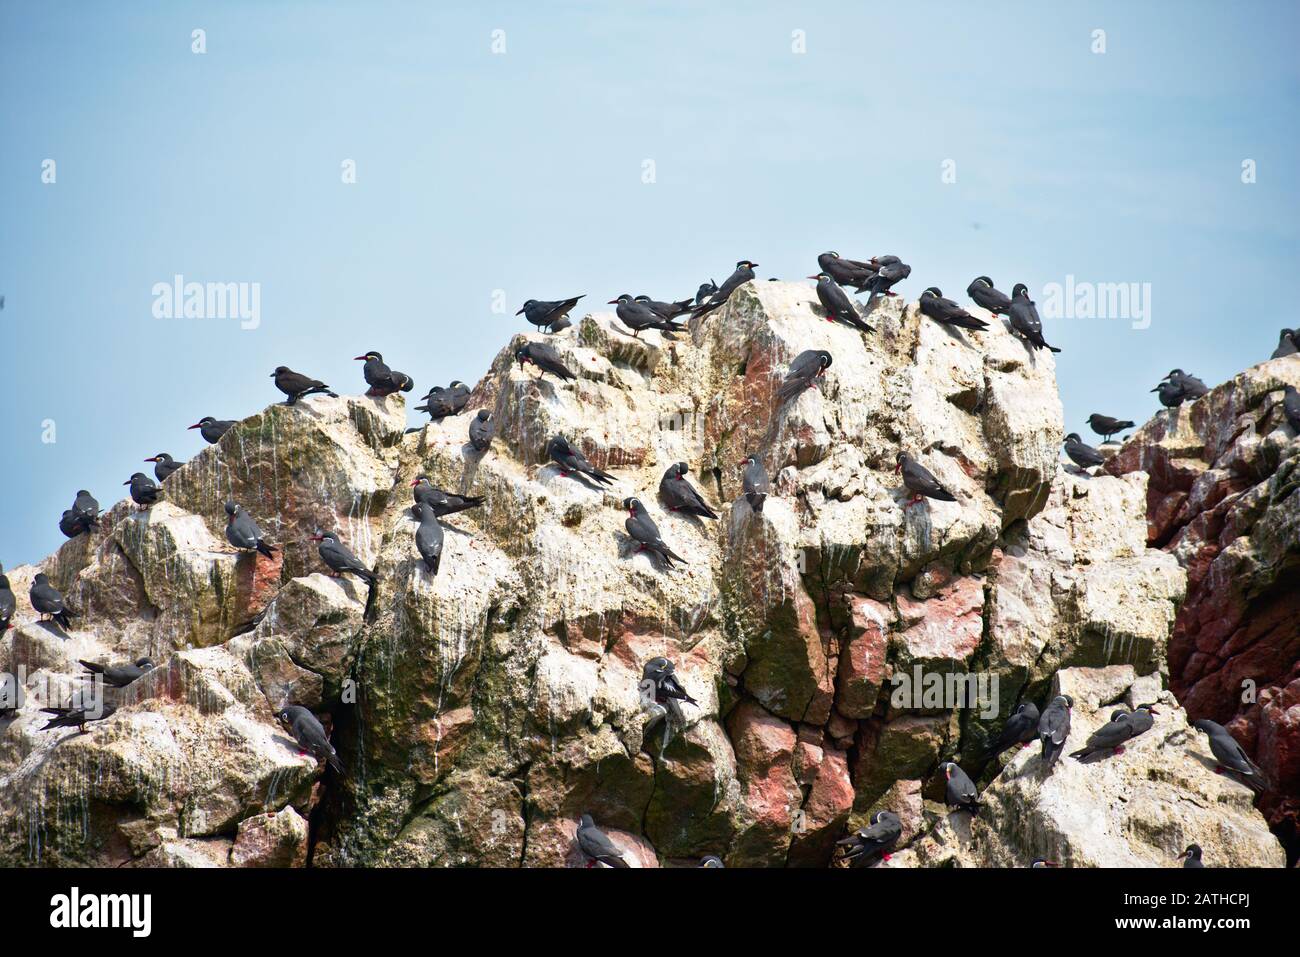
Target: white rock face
x=481 y=711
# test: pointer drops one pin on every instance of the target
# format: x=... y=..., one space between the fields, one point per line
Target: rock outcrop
x=1222 y=499
x=479 y=712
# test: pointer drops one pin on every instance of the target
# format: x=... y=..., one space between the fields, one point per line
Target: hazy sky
x=522 y=171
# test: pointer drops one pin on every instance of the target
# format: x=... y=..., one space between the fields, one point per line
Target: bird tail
x=64 y=618
x=617 y=862
x=332 y=759
x=265 y=549
x=669 y=554
x=91 y=667
x=431 y=565
x=1080 y=754
x=943 y=495
x=756 y=502
x=603 y=477
x=1126 y=425
x=790 y=389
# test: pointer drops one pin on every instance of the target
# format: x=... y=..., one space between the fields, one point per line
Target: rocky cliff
x=479 y=712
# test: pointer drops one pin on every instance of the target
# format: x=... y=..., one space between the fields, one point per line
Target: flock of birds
x=661 y=693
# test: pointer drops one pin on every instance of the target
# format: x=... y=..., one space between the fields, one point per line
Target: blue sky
x=522 y=172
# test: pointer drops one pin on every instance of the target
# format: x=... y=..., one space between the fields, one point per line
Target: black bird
x=982 y=293
x=1286 y=344
x=296 y=385
x=668 y=690
x=711 y=861
x=243 y=533
x=339 y=558
x=1171 y=396
x=1190 y=386
x=1054 y=728
x=846 y=272
x=743 y=274
x=920 y=481
x=8 y=603
x=570 y=459
x=310 y=734
x=837 y=304
x=440 y=402
x=638 y=316
x=866 y=845
x=545 y=358
x=803 y=372
x=76 y=717
x=442 y=502
x=381 y=379
x=428 y=537
x=755 y=482
x=1192 y=856
x=1084 y=456
x=1291 y=407
x=706 y=290
x=1042 y=862
x=668 y=310
x=70 y=525
x=946 y=312
x=596 y=845
x=481 y=430
x=143 y=490
x=48 y=600
x=164 y=465
x=119 y=676
x=960 y=792
x=890 y=270
x=1021 y=728
x=641 y=527
x=547 y=314
x=676 y=492
x=212 y=429
x=1024 y=318
x=1141 y=718
x=1231 y=756
x=1105 y=426
x=1109 y=737
x=86 y=510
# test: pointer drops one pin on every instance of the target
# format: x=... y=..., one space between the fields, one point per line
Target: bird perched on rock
x=82 y=517
x=1192 y=856
x=846 y=272
x=837 y=304
x=212 y=429
x=1291 y=406
x=755 y=483
x=711 y=861
x=679 y=495
x=339 y=558
x=69 y=525
x=1141 y=718
x=982 y=293
x=668 y=310
x=960 y=791
x=381 y=379
x=1024 y=319
x=545 y=358
x=1084 y=456
x=441 y=501
x=706 y=290
x=8 y=603
x=596 y=845
x=1021 y=728
x=890 y=270
x=1105 y=426
x=295 y=385
x=743 y=274
x=920 y=481
x=1286 y=344
x=946 y=312
x=1188 y=386
x=143 y=490
x=481 y=431
x=644 y=531
x=1042 y=862
x=873 y=843
x=119 y=676
x=1054 y=728
x=1232 y=758
x=440 y=402
x=638 y=316
x=570 y=459
x=164 y=465
x=668 y=690
x=310 y=734
x=76 y=717
x=243 y=533
x=428 y=537
x=803 y=373
x=551 y=315
x=1170 y=395
x=1109 y=737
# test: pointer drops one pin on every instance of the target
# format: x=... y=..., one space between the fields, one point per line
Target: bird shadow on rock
x=1096 y=757
x=629 y=548
x=1078 y=471
x=54 y=629
x=687 y=517
x=447 y=526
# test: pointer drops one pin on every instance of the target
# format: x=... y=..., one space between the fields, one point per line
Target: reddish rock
x=863 y=667
x=821 y=820
x=271 y=840
x=946 y=629
x=764 y=746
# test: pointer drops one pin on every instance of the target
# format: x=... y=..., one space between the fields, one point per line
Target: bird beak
x=196 y=425
x=318 y=538
x=517 y=313
x=811 y=277
x=358 y=358
x=1050 y=863
x=898 y=468
x=1153 y=711
x=271 y=376
x=753 y=265
x=127 y=482
x=613 y=302
x=415 y=483
x=1181 y=856
x=1156 y=389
